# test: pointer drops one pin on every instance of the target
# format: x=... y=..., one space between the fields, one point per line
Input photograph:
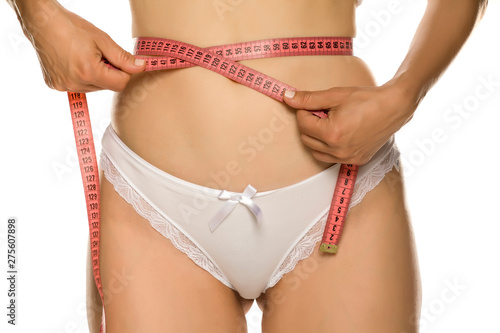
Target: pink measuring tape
x=162 y=54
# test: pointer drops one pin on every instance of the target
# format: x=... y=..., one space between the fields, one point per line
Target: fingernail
x=289 y=93
x=139 y=62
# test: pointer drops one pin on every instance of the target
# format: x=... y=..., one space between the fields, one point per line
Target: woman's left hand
x=360 y=120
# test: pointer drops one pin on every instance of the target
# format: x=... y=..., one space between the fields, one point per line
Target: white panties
x=242 y=252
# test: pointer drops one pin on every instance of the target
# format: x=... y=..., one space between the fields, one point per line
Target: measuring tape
x=162 y=54
x=340 y=206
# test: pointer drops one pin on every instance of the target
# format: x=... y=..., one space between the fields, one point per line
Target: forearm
x=445 y=27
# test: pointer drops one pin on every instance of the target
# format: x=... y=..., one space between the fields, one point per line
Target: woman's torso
x=206 y=129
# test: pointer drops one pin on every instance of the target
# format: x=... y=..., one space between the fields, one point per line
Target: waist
x=209 y=22
x=198 y=125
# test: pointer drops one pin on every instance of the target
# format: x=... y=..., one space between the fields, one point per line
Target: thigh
x=371 y=285
x=152 y=287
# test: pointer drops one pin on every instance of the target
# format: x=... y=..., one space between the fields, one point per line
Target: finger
x=313 y=100
x=323 y=157
x=110 y=78
x=321 y=147
x=118 y=57
x=315 y=144
x=312 y=125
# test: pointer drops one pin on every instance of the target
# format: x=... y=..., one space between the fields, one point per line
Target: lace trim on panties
x=300 y=251
x=157 y=221
x=303 y=249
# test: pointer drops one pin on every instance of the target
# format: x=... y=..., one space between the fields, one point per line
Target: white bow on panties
x=232 y=200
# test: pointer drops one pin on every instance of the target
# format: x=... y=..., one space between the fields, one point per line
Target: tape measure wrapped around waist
x=161 y=54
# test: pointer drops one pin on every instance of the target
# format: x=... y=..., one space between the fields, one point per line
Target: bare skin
x=191 y=123
x=200 y=106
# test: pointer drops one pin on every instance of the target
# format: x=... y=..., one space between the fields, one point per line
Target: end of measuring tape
x=329 y=248
x=321 y=114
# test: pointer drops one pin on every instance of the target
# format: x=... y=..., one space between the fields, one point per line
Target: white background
x=451 y=185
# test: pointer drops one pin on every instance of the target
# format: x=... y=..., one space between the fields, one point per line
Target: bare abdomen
x=206 y=129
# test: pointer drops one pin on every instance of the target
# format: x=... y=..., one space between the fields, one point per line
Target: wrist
x=406 y=95
x=34 y=15
x=407 y=89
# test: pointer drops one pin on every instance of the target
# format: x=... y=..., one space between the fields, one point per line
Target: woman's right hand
x=70 y=50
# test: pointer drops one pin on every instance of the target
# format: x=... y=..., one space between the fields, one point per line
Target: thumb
x=118 y=57
x=311 y=100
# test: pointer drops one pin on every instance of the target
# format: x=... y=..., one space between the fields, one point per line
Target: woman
x=214 y=142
